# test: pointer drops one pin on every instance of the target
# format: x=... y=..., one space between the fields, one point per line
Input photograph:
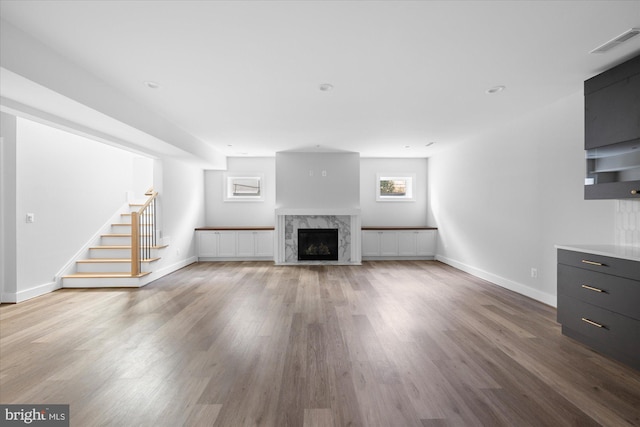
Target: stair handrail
x=143 y=232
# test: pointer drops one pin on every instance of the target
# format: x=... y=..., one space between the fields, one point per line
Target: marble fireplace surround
x=347 y=221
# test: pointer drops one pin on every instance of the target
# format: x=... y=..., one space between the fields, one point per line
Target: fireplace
x=290 y=220
x=317 y=244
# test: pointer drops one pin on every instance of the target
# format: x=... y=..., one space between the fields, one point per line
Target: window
x=243 y=187
x=396 y=187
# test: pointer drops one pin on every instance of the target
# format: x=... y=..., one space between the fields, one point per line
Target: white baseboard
x=168 y=270
x=398 y=258
x=33 y=292
x=45 y=288
x=543 y=297
x=217 y=259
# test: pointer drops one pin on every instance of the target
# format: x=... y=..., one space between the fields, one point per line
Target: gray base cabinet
x=599 y=303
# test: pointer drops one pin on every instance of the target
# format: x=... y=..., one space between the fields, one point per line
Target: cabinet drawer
x=617 y=335
x=601 y=264
x=614 y=293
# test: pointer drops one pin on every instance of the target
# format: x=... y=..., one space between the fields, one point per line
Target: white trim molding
x=537 y=295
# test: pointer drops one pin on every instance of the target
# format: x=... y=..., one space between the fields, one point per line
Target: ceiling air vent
x=632 y=32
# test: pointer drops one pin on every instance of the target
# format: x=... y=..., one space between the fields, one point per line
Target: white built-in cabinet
x=255 y=243
x=216 y=243
x=398 y=243
x=234 y=244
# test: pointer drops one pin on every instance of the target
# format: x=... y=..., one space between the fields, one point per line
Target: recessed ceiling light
x=407 y=146
x=495 y=89
x=326 y=87
x=152 y=85
x=429 y=144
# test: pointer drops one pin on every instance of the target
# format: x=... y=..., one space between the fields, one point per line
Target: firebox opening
x=317 y=244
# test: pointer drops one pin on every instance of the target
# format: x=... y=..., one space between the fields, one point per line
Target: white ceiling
x=244 y=76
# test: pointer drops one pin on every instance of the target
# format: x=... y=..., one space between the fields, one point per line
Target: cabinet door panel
x=207 y=243
x=426 y=242
x=246 y=244
x=407 y=243
x=389 y=243
x=611 y=113
x=263 y=243
x=226 y=243
x=370 y=243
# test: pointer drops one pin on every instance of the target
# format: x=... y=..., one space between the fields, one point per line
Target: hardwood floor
x=249 y=343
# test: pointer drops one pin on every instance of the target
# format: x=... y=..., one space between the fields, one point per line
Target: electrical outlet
x=324 y=173
x=534 y=273
x=30 y=218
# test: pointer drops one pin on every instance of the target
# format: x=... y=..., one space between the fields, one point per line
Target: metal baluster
x=154 y=222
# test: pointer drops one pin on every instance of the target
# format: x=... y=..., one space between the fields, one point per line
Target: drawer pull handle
x=591 y=288
x=593 y=263
x=591 y=322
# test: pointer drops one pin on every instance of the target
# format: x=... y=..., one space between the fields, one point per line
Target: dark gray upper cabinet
x=612 y=132
x=612 y=114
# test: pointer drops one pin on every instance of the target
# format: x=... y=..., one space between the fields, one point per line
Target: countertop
x=631 y=253
x=396 y=227
x=419 y=227
x=237 y=228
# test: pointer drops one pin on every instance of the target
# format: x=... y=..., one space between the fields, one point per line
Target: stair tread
x=114 y=260
x=116 y=275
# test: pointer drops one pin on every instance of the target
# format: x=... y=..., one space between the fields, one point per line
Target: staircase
x=123 y=256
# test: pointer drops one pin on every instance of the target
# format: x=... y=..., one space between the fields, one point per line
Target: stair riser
x=121 y=229
x=117 y=241
x=101 y=283
x=126 y=218
x=117 y=253
x=109 y=267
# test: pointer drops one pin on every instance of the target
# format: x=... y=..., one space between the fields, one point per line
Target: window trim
x=409 y=178
x=228 y=183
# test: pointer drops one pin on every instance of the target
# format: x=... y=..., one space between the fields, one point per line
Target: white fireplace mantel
x=354 y=232
x=318 y=211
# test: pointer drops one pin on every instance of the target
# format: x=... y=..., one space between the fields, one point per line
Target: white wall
x=181 y=204
x=72 y=185
x=317 y=180
x=221 y=213
x=502 y=200
x=393 y=213
x=8 y=235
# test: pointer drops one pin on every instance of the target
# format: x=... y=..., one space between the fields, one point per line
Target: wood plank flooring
x=407 y=343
